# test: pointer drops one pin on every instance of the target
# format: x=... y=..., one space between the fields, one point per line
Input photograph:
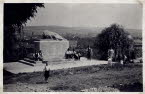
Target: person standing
x=36 y=56
x=68 y=54
x=89 y=53
x=120 y=59
x=110 y=56
x=46 y=72
x=40 y=56
x=124 y=59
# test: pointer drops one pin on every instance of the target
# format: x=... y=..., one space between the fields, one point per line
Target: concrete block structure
x=52 y=45
x=52 y=50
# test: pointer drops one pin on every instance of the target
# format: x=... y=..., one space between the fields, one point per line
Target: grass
x=123 y=78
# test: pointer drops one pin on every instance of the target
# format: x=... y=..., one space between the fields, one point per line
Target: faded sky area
x=88 y=15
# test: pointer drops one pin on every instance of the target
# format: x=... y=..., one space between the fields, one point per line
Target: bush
x=116 y=38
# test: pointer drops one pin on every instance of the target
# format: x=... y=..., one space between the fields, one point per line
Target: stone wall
x=52 y=50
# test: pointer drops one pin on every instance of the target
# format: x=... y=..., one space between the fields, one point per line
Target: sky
x=88 y=15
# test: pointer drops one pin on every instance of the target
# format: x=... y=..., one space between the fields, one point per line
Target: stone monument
x=52 y=48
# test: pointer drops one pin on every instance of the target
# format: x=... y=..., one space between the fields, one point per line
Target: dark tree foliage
x=18 y=14
x=15 y=17
x=116 y=38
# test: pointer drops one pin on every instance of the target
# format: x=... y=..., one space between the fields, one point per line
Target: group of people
x=72 y=54
x=38 y=56
x=122 y=59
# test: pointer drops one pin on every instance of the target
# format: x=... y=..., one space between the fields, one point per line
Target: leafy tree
x=15 y=18
x=116 y=38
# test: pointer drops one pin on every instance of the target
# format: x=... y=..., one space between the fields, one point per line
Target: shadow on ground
x=133 y=87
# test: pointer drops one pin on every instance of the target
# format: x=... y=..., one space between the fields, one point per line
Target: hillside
x=65 y=31
x=80 y=32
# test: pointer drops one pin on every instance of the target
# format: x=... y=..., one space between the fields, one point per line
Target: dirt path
x=16 y=67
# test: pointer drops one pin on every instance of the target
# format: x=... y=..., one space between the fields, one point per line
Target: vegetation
x=114 y=37
x=123 y=78
x=15 y=17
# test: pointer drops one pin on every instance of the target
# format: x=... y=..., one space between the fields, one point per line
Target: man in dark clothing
x=36 y=56
x=89 y=53
x=46 y=72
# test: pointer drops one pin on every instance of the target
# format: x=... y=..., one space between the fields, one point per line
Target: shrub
x=116 y=38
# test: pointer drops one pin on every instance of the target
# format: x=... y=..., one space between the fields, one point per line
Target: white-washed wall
x=52 y=49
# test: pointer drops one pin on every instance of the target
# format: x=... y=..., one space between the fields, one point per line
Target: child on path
x=46 y=72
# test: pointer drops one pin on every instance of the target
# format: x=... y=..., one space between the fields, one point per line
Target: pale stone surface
x=52 y=50
x=16 y=67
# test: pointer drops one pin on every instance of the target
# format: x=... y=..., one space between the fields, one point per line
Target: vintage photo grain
x=72 y=47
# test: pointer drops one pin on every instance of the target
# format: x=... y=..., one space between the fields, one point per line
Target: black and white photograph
x=72 y=47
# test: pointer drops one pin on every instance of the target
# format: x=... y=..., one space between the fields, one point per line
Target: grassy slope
x=76 y=79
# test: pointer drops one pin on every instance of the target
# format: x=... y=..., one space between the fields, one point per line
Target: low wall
x=52 y=50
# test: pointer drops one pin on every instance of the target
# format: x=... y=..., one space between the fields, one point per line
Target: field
x=80 y=32
x=101 y=78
